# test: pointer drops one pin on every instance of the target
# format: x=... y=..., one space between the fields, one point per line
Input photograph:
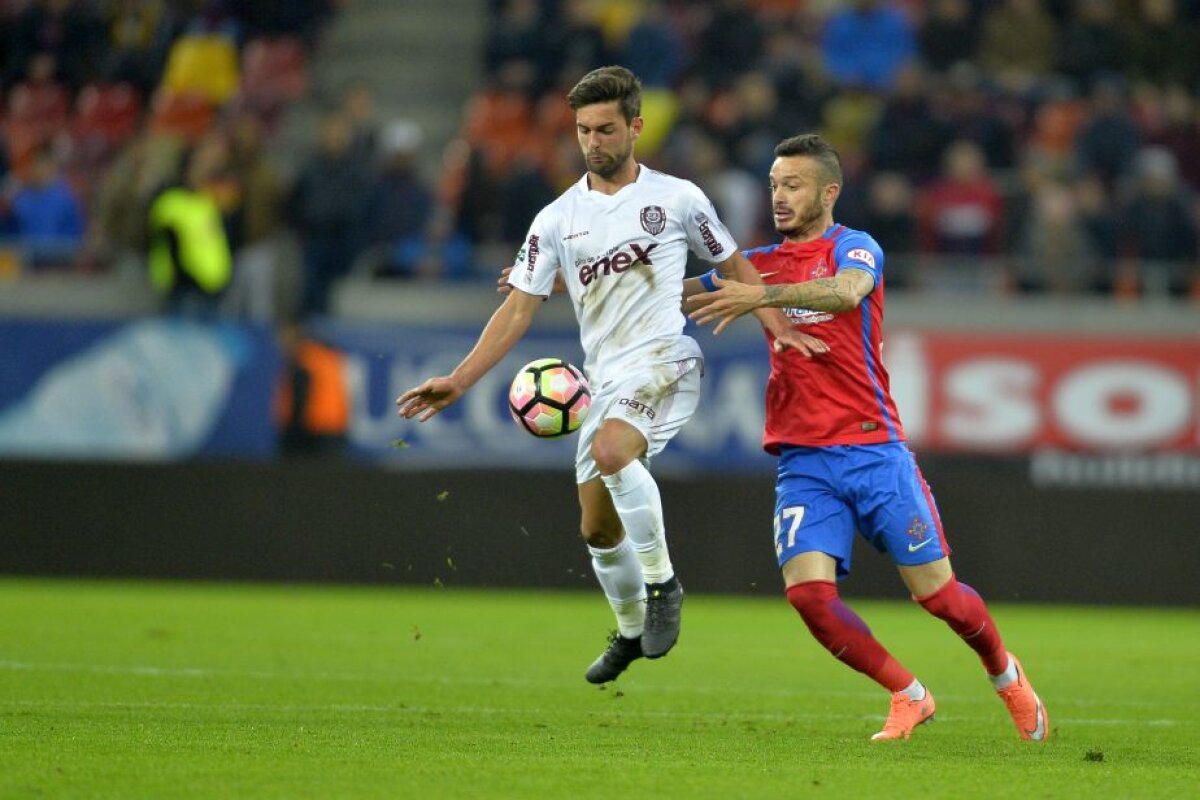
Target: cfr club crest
x=654 y=220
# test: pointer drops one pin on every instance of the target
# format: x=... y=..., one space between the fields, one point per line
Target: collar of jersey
x=811 y=243
x=587 y=190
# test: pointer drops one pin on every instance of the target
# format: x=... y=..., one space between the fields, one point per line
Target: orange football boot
x=1026 y=709
x=906 y=714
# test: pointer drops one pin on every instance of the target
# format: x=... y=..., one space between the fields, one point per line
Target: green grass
x=146 y=690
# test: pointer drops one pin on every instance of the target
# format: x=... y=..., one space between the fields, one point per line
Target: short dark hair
x=606 y=84
x=813 y=146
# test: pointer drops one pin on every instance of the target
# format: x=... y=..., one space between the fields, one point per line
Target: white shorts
x=657 y=401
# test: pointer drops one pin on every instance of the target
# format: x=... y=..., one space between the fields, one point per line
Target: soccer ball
x=549 y=397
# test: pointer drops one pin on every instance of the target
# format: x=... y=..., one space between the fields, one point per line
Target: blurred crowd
x=138 y=130
x=997 y=145
x=989 y=145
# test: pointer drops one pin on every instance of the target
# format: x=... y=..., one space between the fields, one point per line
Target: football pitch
x=182 y=690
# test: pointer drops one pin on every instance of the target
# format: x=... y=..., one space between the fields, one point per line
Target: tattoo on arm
x=819 y=294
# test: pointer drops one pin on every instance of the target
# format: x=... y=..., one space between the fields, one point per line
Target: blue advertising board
x=381 y=361
x=160 y=389
x=152 y=389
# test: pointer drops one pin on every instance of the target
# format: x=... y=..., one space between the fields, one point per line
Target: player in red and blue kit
x=844 y=466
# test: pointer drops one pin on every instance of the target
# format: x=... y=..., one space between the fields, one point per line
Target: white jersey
x=624 y=258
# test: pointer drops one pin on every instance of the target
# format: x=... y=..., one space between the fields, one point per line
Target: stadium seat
x=189 y=116
x=498 y=125
x=34 y=114
x=274 y=72
x=108 y=114
x=47 y=105
x=203 y=65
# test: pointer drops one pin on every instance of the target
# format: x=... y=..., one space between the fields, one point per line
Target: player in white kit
x=618 y=239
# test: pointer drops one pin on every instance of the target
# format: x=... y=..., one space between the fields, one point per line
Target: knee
x=813 y=600
x=610 y=456
x=601 y=535
x=828 y=619
x=952 y=602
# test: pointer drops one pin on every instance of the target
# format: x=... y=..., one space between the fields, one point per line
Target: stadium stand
x=1071 y=113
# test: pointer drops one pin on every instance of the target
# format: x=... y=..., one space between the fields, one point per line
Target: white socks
x=635 y=496
x=620 y=576
x=915 y=690
x=1006 y=678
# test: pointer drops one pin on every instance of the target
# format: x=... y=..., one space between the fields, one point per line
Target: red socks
x=960 y=607
x=844 y=634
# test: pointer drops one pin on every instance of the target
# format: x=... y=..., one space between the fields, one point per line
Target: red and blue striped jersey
x=842 y=397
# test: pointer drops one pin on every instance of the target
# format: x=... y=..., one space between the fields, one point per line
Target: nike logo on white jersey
x=912 y=548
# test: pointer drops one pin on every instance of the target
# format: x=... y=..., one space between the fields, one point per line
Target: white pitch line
x=522 y=683
x=349 y=708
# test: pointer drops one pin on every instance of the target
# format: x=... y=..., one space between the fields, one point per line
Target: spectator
x=358 y=106
x=742 y=118
x=576 y=45
x=203 y=63
x=324 y=208
x=654 y=50
x=730 y=43
x=399 y=204
x=497 y=119
x=139 y=33
x=740 y=200
x=1018 y=41
x=1158 y=236
x=1054 y=252
x=950 y=35
x=889 y=215
x=47 y=216
x=1179 y=132
x=312 y=407
x=443 y=251
x=67 y=31
x=799 y=85
x=523 y=192
x=754 y=150
x=190 y=260
x=848 y=120
x=519 y=34
x=986 y=116
x=866 y=44
x=1098 y=216
x=38 y=110
x=120 y=214
x=1090 y=43
x=1058 y=116
x=1108 y=140
x=908 y=138
x=1161 y=46
x=263 y=286
x=961 y=212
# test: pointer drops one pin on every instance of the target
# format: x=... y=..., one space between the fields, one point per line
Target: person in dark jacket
x=324 y=209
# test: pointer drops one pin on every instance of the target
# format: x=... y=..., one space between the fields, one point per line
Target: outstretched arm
x=504 y=329
x=739 y=268
x=742 y=270
x=504 y=287
x=842 y=292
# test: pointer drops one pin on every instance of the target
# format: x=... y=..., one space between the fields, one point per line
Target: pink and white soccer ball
x=549 y=397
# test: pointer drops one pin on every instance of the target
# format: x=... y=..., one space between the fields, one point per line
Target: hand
x=807 y=346
x=731 y=300
x=504 y=287
x=429 y=398
x=502 y=284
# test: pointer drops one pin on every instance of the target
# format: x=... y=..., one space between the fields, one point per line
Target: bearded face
x=605 y=137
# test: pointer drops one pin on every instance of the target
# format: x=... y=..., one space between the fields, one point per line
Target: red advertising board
x=1016 y=393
